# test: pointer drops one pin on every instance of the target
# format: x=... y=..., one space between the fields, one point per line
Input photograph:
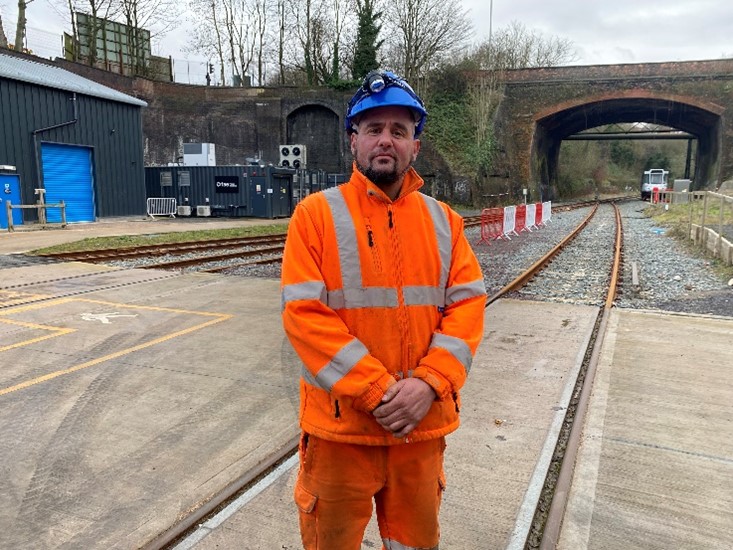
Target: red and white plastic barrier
x=501 y=223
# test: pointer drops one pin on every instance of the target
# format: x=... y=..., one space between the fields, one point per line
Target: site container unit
x=222 y=188
x=79 y=141
x=270 y=191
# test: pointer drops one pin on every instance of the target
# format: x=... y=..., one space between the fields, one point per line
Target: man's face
x=384 y=145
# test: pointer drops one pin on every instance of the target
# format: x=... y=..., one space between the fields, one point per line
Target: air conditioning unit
x=293 y=156
x=183 y=211
x=203 y=211
x=199 y=154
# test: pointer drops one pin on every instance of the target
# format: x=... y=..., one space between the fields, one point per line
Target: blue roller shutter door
x=67 y=176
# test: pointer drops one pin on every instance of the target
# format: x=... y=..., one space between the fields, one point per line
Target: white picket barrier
x=531 y=220
x=510 y=222
x=546 y=212
x=161 y=206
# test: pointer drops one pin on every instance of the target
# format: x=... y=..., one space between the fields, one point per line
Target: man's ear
x=352 y=143
x=416 y=149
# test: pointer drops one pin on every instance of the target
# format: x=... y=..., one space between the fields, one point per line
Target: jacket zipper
x=373 y=247
x=404 y=322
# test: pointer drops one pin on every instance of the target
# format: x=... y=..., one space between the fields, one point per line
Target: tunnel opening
x=622 y=121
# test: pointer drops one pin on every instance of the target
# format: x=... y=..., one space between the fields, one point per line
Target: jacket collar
x=411 y=182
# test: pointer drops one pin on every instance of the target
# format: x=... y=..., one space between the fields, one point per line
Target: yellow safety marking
x=58 y=331
x=150 y=308
x=50 y=376
x=41 y=305
x=8 y=297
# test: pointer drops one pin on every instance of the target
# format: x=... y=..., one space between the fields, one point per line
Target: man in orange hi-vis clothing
x=383 y=300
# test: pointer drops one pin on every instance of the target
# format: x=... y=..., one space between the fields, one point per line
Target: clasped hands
x=404 y=405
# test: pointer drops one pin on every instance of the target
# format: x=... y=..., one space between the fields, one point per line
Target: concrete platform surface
x=513 y=406
x=122 y=409
x=655 y=468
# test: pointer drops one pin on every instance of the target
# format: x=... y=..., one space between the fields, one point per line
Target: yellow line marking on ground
x=29 y=307
x=58 y=331
x=50 y=376
x=150 y=308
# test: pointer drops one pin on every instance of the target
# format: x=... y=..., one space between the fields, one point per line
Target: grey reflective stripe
x=340 y=365
x=354 y=295
x=390 y=544
x=456 y=293
x=345 y=238
x=455 y=346
x=306 y=375
x=442 y=235
x=424 y=296
x=373 y=296
x=313 y=290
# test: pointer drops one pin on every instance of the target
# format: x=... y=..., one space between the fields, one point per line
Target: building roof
x=25 y=70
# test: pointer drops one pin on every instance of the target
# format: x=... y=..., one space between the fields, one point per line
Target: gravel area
x=670 y=277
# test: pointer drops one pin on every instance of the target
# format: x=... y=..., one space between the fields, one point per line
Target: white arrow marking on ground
x=104 y=318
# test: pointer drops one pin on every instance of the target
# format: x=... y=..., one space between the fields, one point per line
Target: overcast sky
x=620 y=31
x=603 y=31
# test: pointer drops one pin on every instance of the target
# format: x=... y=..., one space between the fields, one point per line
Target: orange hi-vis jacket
x=375 y=290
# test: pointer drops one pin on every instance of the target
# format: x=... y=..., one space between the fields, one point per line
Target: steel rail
x=214 y=258
x=535 y=268
x=164 y=248
x=553 y=523
x=228 y=493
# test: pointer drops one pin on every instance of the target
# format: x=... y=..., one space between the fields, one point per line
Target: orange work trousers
x=337 y=483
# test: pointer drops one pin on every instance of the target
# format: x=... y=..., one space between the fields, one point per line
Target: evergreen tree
x=367 y=39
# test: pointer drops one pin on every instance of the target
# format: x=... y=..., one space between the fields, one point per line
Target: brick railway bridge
x=539 y=108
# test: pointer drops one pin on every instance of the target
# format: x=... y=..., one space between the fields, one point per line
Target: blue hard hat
x=385 y=89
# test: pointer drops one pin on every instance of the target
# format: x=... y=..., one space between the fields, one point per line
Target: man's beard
x=381 y=177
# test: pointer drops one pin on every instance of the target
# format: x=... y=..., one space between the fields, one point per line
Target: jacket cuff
x=371 y=399
x=440 y=386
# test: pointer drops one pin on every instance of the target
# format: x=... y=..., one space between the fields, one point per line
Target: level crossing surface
x=512 y=408
x=655 y=469
x=129 y=397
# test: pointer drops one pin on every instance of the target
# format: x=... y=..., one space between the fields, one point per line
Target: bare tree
x=207 y=36
x=3 y=38
x=319 y=28
x=21 y=26
x=281 y=41
x=516 y=47
x=156 y=16
x=423 y=33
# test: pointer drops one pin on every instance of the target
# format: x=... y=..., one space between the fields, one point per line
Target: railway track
x=567 y=262
x=200 y=254
x=548 y=515
x=549 y=512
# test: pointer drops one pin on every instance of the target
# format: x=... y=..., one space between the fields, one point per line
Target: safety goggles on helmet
x=384 y=89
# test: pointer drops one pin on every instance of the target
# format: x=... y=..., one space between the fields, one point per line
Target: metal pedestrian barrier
x=161 y=206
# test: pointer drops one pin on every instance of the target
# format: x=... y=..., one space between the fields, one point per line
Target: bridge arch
x=318 y=127
x=555 y=123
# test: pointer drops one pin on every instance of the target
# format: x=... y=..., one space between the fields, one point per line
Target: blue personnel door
x=67 y=176
x=9 y=191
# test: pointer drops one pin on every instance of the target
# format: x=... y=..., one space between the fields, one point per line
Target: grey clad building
x=79 y=140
